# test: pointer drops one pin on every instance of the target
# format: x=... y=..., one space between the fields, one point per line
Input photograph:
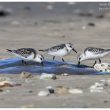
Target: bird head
x=39 y=58
x=69 y=46
x=81 y=58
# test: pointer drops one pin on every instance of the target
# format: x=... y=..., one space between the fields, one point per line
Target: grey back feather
x=95 y=50
x=55 y=48
x=25 y=52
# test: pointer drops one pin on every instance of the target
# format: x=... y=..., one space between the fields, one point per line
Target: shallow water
x=15 y=66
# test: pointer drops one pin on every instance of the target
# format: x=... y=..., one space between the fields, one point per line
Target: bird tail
x=108 y=50
x=8 y=50
x=43 y=50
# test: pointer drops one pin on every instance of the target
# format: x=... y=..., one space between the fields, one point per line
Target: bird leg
x=78 y=63
x=42 y=63
x=23 y=62
x=63 y=60
x=53 y=57
x=99 y=60
x=94 y=64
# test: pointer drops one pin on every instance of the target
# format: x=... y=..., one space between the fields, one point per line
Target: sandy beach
x=43 y=31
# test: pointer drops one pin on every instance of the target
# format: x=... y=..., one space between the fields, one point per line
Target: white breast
x=30 y=57
x=61 y=53
x=91 y=55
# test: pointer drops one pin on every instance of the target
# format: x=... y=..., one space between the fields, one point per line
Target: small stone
x=105 y=101
x=4 y=79
x=96 y=90
x=6 y=91
x=9 y=10
x=100 y=16
x=75 y=91
x=85 y=14
x=108 y=90
x=108 y=82
x=45 y=76
x=30 y=91
x=71 y=3
x=49 y=7
x=91 y=24
x=103 y=67
x=4 y=13
x=65 y=74
x=99 y=84
x=62 y=90
x=28 y=8
x=15 y=23
x=6 y=84
x=35 y=23
x=28 y=81
x=85 y=106
x=1 y=90
x=84 y=27
x=50 y=89
x=43 y=93
x=92 y=87
x=95 y=87
x=104 y=82
x=28 y=106
x=24 y=75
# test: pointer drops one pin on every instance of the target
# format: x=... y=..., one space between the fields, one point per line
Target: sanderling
x=27 y=54
x=60 y=50
x=92 y=53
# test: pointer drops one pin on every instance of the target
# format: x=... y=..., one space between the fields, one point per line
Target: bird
x=93 y=53
x=27 y=54
x=60 y=50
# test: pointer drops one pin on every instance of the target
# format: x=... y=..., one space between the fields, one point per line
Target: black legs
x=99 y=60
x=96 y=62
x=54 y=58
x=23 y=62
x=63 y=60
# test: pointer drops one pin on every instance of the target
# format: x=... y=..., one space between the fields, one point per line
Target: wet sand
x=26 y=95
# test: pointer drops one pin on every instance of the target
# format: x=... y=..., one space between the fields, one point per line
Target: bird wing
x=94 y=50
x=25 y=52
x=56 y=48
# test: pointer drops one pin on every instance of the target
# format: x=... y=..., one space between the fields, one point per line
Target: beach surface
x=43 y=29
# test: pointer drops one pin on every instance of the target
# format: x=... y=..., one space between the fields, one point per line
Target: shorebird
x=60 y=50
x=92 y=53
x=27 y=54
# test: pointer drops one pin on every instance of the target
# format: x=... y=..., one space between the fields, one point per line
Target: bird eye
x=41 y=59
x=70 y=46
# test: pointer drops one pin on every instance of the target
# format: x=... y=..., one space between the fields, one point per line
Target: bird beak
x=78 y=62
x=74 y=50
x=42 y=63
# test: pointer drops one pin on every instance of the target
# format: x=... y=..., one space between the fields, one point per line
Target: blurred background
x=41 y=25
x=45 y=8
